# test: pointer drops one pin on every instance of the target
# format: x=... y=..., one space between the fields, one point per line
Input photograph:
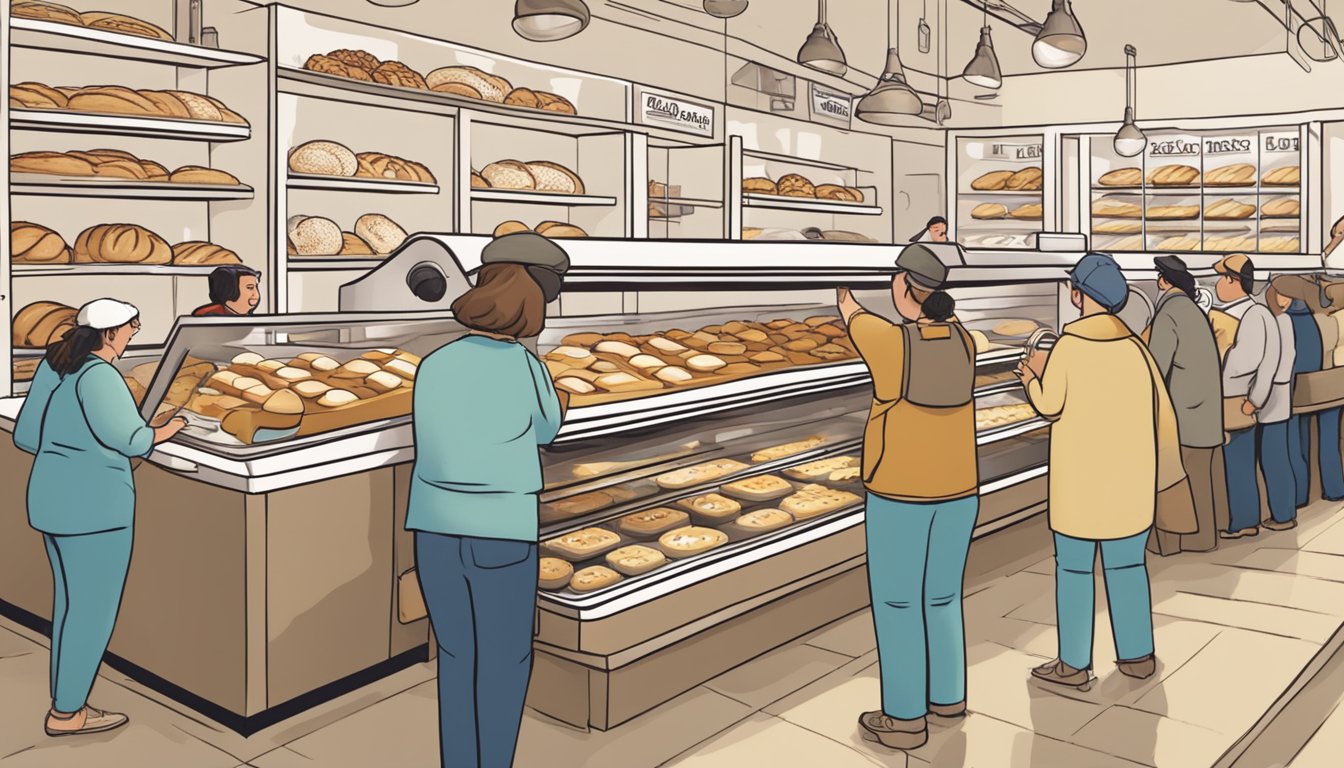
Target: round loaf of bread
x=376 y=165
x=523 y=97
x=203 y=254
x=35 y=244
x=553 y=177
x=58 y=163
x=37 y=96
x=357 y=58
x=126 y=25
x=328 y=66
x=195 y=174
x=41 y=323
x=478 y=181
x=555 y=229
x=759 y=185
x=510 y=227
x=554 y=102
x=490 y=87
x=325 y=158
x=793 y=185
x=113 y=99
x=45 y=12
x=400 y=75
x=121 y=244
x=316 y=236
x=458 y=89
x=421 y=171
x=509 y=174
x=354 y=245
x=381 y=233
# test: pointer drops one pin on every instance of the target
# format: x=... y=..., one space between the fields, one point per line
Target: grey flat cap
x=546 y=261
x=924 y=267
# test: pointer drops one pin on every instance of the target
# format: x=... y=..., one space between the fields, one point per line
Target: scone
x=758 y=488
x=815 y=500
x=787 y=449
x=765 y=520
x=652 y=522
x=553 y=573
x=816 y=470
x=635 y=559
x=581 y=545
x=712 y=508
x=691 y=540
x=593 y=578
x=699 y=474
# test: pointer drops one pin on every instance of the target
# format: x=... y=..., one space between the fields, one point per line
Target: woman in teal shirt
x=483 y=405
x=83 y=427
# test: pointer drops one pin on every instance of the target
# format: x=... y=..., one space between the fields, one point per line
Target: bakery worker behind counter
x=234 y=290
x=483 y=405
x=933 y=232
x=83 y=428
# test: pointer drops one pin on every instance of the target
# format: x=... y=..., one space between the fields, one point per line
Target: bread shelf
x=123 y=125
x=781 y=203
x=121 y=270
x=331 y=263
x=688 y=202
x=50 y=35
x=529 y=197
x=39 y=185
x=358 y=184
x=1002 y=193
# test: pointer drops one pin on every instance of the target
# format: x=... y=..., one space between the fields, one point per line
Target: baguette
x=1237 y=175
x=1121 y=177
x=989 y=211
x=993 y=181
x=1289 y=176
x=1173 y=176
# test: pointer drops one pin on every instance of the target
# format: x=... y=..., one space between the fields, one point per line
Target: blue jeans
x=916 y=563
x=89 y=572
x=1299 y=446
x=1126 y=575
x=1267 y=445
x=482 y=597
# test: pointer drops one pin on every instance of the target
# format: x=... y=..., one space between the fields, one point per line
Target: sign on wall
x=675 y=113
x=831 y=105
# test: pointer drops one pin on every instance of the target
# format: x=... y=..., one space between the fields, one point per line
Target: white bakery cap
x=104 y=314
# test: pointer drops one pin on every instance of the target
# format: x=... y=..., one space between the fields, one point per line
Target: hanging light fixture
x=1061 y=42
x=542 y=21
x=822 y=51
x=892 y=99
x=1129 y=140
x=393 y=3
x=725 y=9
x=983 y=69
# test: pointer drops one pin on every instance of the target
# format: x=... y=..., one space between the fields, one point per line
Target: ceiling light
x=891 y=99
x=822 y=51
x=1129 y=140
x=984 y=67
x=725 y=9
x=542 y=21
x=1061 y=42
x=393 y=3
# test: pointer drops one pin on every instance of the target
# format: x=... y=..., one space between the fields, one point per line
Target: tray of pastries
x=128 y=102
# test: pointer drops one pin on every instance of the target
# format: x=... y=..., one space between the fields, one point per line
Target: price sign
x=675 y=113
x=831 y=105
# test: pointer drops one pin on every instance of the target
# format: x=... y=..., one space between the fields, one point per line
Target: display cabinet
x=999 y=184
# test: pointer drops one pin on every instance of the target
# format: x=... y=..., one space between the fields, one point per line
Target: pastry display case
x=686 y=192
x=999 y=191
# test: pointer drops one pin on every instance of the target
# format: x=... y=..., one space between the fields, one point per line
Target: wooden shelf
x=48 y=120
x=43 y=185
x=121 y=270
x=528 y=197
x=780 y=202
x=50 y=35
x=361 y=184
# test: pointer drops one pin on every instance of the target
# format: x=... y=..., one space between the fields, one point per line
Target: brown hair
x=505 y=300
x=1272 y=296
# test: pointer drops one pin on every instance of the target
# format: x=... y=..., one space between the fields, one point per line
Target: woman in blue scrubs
x=83 y=427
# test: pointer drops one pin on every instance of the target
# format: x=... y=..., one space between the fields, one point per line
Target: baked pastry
x=1121 y=177
x=489 y=87
x=1173 y=176
x=787 y=449
x=1236 y=175
x=559 y=230
x=400 y=75
x=758 y=488
x=1118 y=227
x=620 y=381
x=280 y=410
x=1002 y=415
x=509 y=227
x=1179 y=243
x=1228 y=209
x=1027 y=179
x=196 y=174
x=316 y=236
x=593 y=578
x=41 y=323
x=699 y=474
x=553 y=573
x=121 y=244
x=759 y=185
x=127 y=25
x=509 y=174
x=381 y=233
x=1173 y=212
x=56 y=163
x=576 y=505
x=553 y=177
x=113 y=99
x=1232 y=243
x=478 y=181
x=32 y=95
x=583 y=544
x=1288 y=176
x=1028 y=212
x=712 y=508
x=691 y=540
x=1282 y=208
x=356 y=58
x=554 y=102
x=330 y=66
x=836 y=192
x=793 y=185
x=1114 y=209
x=35 y=244
x=989 y=211
x=324 y=158
x=652 y=522
x=635 y=559
x=354 y=245
x=994 y=181
x=523 y=97
x=765 y=520
x=44 y=11
x=815 y=500
x=1281 y=245
x=203 y=254
x=816 y=470
x=1015 y=328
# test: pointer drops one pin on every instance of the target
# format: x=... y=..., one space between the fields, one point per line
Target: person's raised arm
x=111 y=412
x=549 y=408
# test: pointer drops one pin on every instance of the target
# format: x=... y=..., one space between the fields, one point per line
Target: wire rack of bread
x=108 y=22
x=796 y=185
x=465 y=82
x=35 y=244
x=374 y=235
x=118 y=100
x=331 y=158
x=114 y=164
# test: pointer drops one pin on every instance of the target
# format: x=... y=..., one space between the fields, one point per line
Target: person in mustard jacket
x=920 y=470
x=1113 y=446
x=82 y=425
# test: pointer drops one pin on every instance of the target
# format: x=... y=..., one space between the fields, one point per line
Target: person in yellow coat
x=1113 y=446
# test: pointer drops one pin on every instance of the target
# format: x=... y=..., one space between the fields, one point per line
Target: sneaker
x=1139 y=669
x=1062 y=674
x=893 y=733
x=1241 y=534
x=949 y=711
x=86 y=720
x=1274 y=525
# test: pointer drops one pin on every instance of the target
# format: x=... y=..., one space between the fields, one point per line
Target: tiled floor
x=1239 y=632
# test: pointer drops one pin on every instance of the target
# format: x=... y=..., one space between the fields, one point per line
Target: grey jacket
x=1255 y=361
x=1182 y=344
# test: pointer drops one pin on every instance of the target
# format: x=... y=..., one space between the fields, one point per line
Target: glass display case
x=999 y=191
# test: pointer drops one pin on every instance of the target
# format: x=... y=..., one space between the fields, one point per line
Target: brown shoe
x=1062 y=674
x=949 y=711
x=1274 y=525
x=86 y=720
x=1241 y=534
x=1140 y=669
x=893 y=733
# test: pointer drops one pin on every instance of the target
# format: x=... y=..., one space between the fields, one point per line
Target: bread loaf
x=1173 y=176
x=329 y=66
x=1114 y=209
x=113 y=99
x=204 y=254
x=324 y=158
x=37 y=96
x=510 y=227
x=356 y=58
x=509 y=174
x=41 y=323
x=1228 y=209
x=280 y=410
x=1282 y=208
x=195 y=174
x=44 y=11
x=1289 y=176
x=127 y=25
x=122 y=169
x=478 y=181
x=759 y=185
x=553 y=177
x=354 y=245
x=793 y=185
x=168 y=105
x=758 y=488
x=1118 y=227
x=1122 y=177
x=1179 y=243
x=316 y=236
x=836 y=192
x=56 y=163
x=1173 y=212
x=121 y=244
x=1025 y=180
x=989 y=211
x=1236 y=175
x=994 y=181
x=490 y=87
x=35 y=244
x=400 y=75
x=554 y=102
x=1028 y=212
x=381 y=233
x=555 y=229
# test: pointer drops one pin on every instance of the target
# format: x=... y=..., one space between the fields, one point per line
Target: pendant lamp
x=725 y=9
x=393 y=3
x=542 y=21
x=983 y=69
x=822 y=51
x=1061 y=42
x=1129 y=140
x=892 y=99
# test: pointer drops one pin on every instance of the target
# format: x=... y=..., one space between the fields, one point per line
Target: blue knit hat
x=1099 y=278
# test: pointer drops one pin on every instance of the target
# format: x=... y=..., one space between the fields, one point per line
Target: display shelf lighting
x=892 y=99
x=543 y=21
x=725 y=9
x=1061 y=42
x=1129 y=140
x=983 y=69
x=822 y=51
